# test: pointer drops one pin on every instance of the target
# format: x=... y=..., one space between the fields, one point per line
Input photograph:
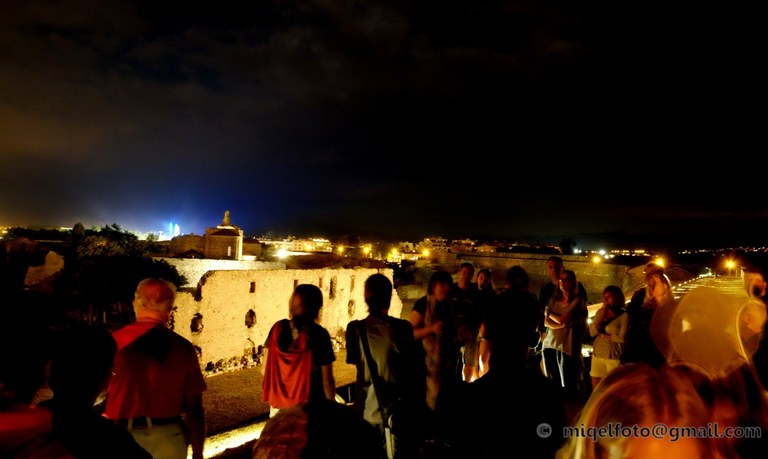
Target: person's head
x=318 y=429
x=755 y=284
x=82 y=364
x=554 y=268
x=751 y=317
x=638 y=394
x=739 y=400
x=154 y=298
x=653 y=267
x=466 y=271
x=510 y=338
x=613 y=297
x=484 y=279
x=378 y=293
x=439 y=284
x=517 y=278
x=658 y=288
x=568 y=281
x=305 y=303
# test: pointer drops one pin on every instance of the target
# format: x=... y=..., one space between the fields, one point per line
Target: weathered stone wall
x=186 y=243
x=252 y=248
x=223 y=247
x=54 y=263
x=226 y=302
x=193 y=269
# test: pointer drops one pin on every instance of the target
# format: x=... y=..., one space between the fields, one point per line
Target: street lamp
x=730 y=264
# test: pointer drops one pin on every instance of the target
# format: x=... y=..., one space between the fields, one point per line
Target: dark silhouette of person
x=398 y=365
x=536 y=402
x=80 y=371
x=318 y=429
x=26 y=429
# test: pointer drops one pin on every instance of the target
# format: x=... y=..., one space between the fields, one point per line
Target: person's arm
x=351 y=338
x=265 y=352
x=323 y=356
x=621 y=336
x=596 y=320
x=420 y=331
x=195 y=418
x=263 y=366
x=484 y=352
x=329 y=384
x=551 y=320
x=571 y=311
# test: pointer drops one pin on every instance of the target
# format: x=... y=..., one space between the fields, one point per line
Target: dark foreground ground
x=233 y=399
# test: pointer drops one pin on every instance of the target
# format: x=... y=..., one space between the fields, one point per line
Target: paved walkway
x=730 y=285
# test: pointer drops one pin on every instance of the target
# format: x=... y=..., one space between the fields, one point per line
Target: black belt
x=145 y=421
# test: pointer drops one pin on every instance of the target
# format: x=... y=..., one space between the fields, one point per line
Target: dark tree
x=102 y=272
x=566 y=246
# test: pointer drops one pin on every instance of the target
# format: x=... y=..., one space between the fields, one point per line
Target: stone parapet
x=229 y=314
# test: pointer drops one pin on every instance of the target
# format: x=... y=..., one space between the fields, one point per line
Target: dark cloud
x=397 y=118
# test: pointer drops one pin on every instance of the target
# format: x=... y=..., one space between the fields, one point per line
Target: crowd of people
x=445 y=383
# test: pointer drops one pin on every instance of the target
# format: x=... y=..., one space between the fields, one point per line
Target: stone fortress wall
x=230 y=312
x=227 y=314
x=193 y=269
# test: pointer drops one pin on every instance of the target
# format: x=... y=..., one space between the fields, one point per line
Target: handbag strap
x=372 y=367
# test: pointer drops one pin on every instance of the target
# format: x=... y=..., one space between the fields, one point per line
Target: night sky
x=385 y=118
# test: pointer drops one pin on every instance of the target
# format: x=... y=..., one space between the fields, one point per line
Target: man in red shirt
x=157 y=388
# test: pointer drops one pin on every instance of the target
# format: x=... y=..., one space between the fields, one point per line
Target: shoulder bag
x=389 y=413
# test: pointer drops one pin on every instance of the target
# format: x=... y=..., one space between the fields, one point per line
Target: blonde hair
x=155 y=295
x=635 y=394
x=661 y=278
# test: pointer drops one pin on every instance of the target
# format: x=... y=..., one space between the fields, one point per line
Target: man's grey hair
x=155 y=294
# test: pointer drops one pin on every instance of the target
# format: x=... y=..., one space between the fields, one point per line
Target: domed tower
x=225 y=241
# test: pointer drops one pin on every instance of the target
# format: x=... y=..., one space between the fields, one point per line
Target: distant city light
x=173 y=231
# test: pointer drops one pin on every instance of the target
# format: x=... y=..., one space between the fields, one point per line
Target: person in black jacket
x=398 y=366
x=80 y=371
